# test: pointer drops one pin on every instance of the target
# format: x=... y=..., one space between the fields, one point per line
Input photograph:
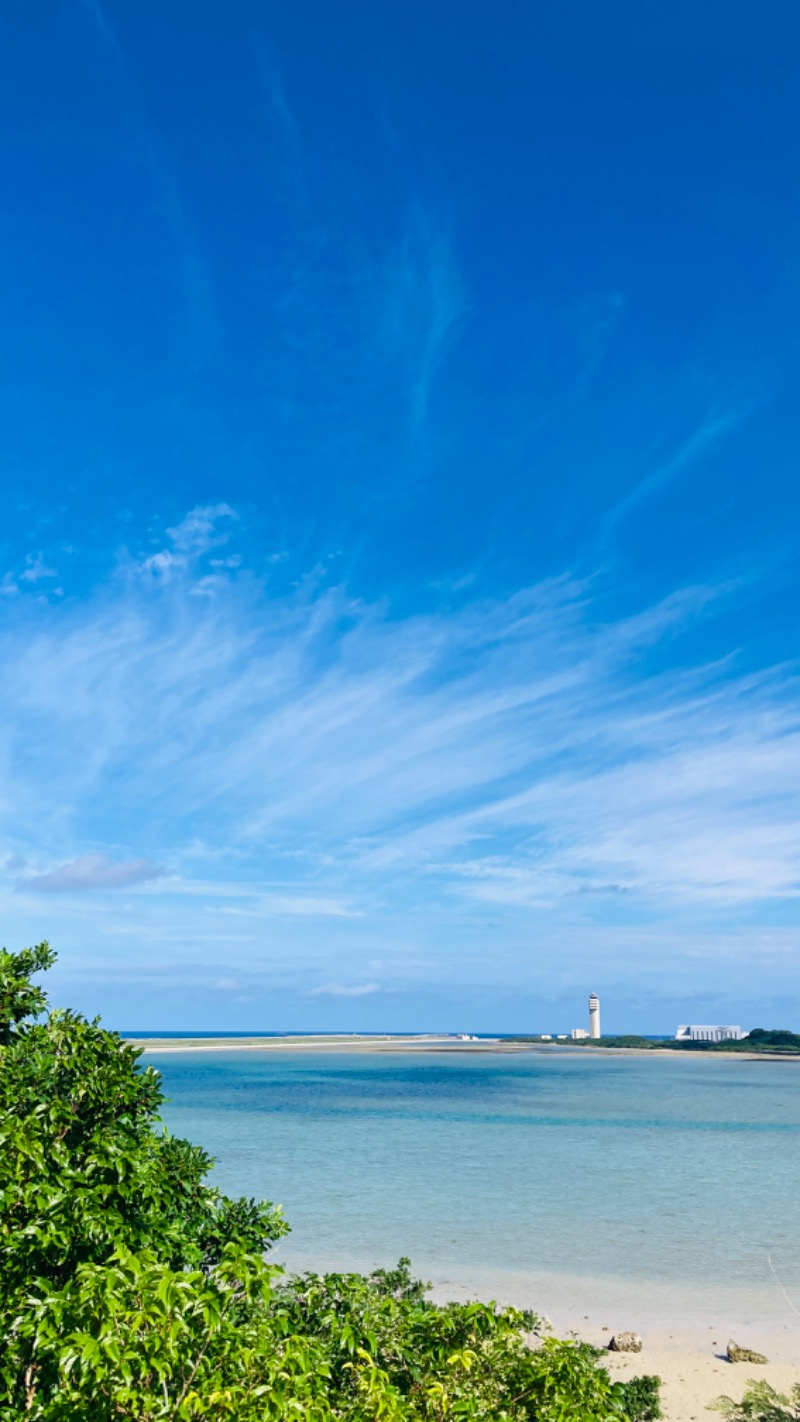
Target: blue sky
x=399 y=546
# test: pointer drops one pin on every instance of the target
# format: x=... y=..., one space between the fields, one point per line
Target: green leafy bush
x=761 y=1403
x=766 y=1038
x=643 y=1398
x=629 y=1040
x=132 y=1290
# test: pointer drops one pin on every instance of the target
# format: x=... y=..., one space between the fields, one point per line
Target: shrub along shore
x=774 y=1042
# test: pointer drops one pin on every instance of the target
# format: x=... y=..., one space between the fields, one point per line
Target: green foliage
x=629 y=1040
x=455 y=1360
x=19 y=997
x=643 y=1398
x=761 y=1403
x=131 y=1290
x=769 y=1039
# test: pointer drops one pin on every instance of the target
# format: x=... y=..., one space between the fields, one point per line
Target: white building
x=594 y=1015
x=579 y=1034
x=709 y=1034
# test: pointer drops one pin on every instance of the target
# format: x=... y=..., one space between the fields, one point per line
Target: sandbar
x=429 y=1043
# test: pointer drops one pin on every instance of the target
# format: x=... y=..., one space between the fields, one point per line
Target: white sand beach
x=685 y=1331
x=693 y=1376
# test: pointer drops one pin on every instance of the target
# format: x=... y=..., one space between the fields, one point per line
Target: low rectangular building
x=709 y=1034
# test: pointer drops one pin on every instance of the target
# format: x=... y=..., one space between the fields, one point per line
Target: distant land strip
x=332 y=1042
x=432 y=1042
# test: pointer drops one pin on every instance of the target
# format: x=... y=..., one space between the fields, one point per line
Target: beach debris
x=737 y=1354
x=625 y=1343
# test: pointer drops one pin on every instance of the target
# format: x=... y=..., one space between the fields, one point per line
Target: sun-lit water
x=666 y=1169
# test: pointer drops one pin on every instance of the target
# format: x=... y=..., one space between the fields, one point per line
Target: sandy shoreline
x=693 y=1379
x=685 y=1330
x=685 y=1336
x=429 y=1044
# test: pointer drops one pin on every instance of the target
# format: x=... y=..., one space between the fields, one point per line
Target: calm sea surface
x=663 y=1169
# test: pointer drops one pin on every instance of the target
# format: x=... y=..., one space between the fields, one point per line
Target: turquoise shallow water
x=666 y=1168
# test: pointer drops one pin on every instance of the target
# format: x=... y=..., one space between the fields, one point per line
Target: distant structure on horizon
x=708 y=1034
x=594 y=1015
x=579 y=1034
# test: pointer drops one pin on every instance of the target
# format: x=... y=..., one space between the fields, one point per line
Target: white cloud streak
x=338 y=990
x=90 y=872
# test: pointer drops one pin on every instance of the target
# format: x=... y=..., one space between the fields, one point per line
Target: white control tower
x=594 y=1015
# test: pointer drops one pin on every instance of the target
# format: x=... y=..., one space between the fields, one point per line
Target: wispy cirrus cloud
x=337 y=784
x=425 y=300
x=707 y=435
